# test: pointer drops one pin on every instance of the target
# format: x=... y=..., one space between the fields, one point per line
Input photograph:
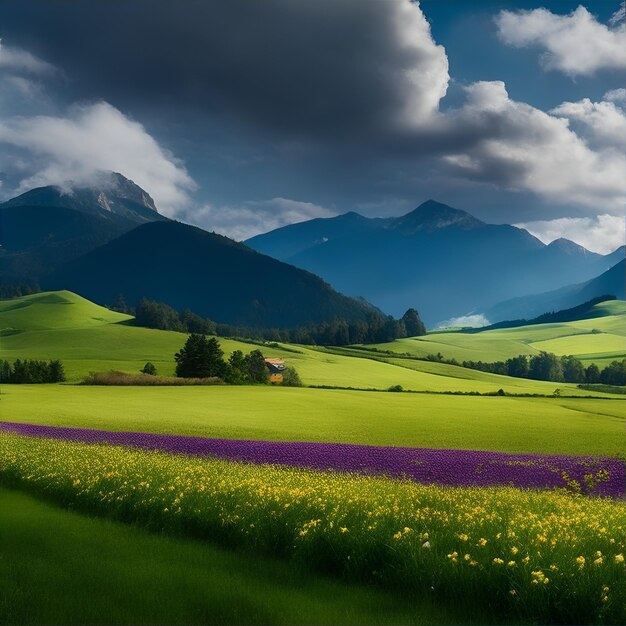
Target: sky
x=241 y=116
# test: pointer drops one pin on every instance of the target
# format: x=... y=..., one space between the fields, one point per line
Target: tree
x=573 y=370
x=614 y=374
x=291 y=377
x=156 y=315
x=238 y=370
x=592 y=374
x=5 y=372
x=518 y=366
x=56 y=371
x=195 y=324
x=413 y=324
x=257 y=370
x=149 y=369
x=200 y=358
x=119 y=304
x=546 y=366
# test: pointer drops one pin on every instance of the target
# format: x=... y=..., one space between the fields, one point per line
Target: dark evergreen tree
x=5 y=372
x=413 y=324
x=157 y=315
x=56 y=371
x=193 y=323
x=200 y=358
x=257 y=369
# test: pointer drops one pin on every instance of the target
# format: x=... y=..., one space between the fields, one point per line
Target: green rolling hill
x=598 y=339
x=88 y=337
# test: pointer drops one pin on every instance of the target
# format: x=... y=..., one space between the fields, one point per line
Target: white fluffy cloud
x=91 y=138
x=576 y=44
x=601 y=123
x=520 y=147
x=603 y=233
x=252 y=218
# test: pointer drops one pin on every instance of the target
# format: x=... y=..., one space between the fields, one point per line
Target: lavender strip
x=600 y=476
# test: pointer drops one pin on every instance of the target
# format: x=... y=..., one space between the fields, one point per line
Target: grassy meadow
x=608 y=319
x=538 y=425
x=87 y=337
x=539 y=555
x=236 y=543
x=119 y=573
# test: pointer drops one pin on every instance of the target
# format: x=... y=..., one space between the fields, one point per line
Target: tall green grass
x=61 y=567
x=539 y=556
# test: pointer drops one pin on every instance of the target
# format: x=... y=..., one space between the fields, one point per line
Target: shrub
x=149 y=369
x=396 y=388
x=291 y=378
x=123 y=379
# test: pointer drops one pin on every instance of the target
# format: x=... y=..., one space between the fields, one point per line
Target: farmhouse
x=276 y=368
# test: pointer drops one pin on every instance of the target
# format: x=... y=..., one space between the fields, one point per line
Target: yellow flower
x=598 y=561
x=463 y=537
x=514 y=550
x=619 y=558
x=581 y=561
x=498 y=561
x=343 y=529
x=511 y=564
x=482 y=542
x=398 y=535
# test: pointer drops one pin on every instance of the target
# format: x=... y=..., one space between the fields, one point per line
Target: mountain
x=215 y=277
x=113 y=194
x=34 y=240
x=441 y=260
x=610 y=282
x=45 y=228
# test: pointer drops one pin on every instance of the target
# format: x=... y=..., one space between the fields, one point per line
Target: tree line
x=32 y=372
x=547 y=366
x=377 y=328
x=203 y=357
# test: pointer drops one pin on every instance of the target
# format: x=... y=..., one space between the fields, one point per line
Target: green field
x=60 y=567
x=87 y=337
x=575 y=338
x=550 y=425
x=165 y=579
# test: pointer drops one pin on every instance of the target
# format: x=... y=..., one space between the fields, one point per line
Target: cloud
x=600 y=123
x=21 y=61
x=518 y=146
x=254 y=217
x=619 y=16
x=615 y=95
x=576 y=44
x=91 y=138
x=307 y=69
x=603 y=233
x=465 y=321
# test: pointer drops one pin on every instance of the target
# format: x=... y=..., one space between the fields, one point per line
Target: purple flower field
x=600 y=476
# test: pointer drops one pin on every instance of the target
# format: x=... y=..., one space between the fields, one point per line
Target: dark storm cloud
x=325 y=105
x=300 y=68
